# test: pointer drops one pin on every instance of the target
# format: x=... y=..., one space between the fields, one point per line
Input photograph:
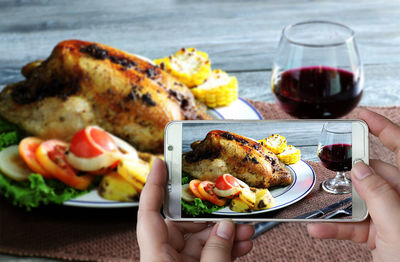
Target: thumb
x=382 y=200
x=219 y=243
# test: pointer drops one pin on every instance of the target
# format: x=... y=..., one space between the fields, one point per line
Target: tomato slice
x=27 y=150
x=206 y=189
x=103 y=139
x=225 y=182
x=194 y=187
x=91 y=142
x=51 y=156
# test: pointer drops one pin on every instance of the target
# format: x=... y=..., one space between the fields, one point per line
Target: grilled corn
x=219 y=90
x=188 y=65
x=290 y=156
x=275 y=143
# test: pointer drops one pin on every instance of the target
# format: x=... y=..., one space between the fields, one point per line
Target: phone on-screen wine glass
x=261 y=170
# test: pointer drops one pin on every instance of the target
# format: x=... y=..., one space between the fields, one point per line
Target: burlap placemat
x=109 y=235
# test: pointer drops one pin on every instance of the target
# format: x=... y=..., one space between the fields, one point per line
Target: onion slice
x=93 y=163
x=228 y=192
x=125 y=149
x=242 y=184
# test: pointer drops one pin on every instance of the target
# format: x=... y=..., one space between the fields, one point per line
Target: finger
x=219 y=244
x=244 y=232
x=177 y=231
x=195 y=243
x=187 y=227
x=388 y=172
x=151 y=229
x=357 y=232
x=382 y=200
x=386 y=130
x=152 y=195
x=241 y=248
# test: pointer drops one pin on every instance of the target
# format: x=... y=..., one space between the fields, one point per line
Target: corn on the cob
x=188 y=65
x=219 y=90
x=275 y=143
x=290 y=156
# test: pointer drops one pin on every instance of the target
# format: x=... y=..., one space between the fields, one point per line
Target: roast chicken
x=85 y=83
x=226 y=152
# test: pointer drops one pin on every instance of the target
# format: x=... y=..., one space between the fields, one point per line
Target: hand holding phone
x=161 y=240
x=378 y=185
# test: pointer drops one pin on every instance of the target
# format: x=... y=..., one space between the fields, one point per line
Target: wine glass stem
x=340 y=176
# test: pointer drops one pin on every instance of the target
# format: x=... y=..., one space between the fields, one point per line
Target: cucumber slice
x=187 y=195
x=12 y=165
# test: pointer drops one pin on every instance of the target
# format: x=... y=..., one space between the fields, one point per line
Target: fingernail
x=225 y=229
x=361 y=170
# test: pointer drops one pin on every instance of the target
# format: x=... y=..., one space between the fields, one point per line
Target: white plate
x=239 y=109
x=303 y=182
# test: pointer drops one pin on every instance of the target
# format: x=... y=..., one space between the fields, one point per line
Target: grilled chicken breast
x=84 y=83
x=225 y=152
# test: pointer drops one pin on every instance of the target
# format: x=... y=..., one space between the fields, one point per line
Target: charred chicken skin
x=225 y=152
x=85 y=83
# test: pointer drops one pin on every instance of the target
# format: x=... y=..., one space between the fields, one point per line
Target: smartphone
x=264 y=170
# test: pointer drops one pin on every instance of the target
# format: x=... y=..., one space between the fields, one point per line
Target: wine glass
x=317 y=72
x=334 y=151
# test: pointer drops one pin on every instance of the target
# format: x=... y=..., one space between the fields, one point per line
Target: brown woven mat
x=316 y=199
x=109 y=235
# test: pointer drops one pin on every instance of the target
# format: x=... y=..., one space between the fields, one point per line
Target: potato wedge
x=115 y=187
x=238 y=205
x=248 y=196
x=134 y=170
x=264 y=199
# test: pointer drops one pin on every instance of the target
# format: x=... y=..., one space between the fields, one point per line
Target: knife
x=262 y=227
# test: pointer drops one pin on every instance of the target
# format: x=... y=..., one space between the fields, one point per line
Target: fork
x=345 y=211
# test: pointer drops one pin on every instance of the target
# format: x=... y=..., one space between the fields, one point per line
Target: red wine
x=336 y=157
x=317 y=92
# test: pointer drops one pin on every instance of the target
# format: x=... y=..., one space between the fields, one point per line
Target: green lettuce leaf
x=36 y=191
x=199 y=207
x=185 y=178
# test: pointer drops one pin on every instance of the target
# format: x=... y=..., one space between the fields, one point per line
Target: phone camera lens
x=170 y=148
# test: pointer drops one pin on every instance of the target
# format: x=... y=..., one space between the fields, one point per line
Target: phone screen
x=266 y=170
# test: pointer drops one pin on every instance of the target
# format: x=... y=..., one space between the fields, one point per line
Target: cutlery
x=345 y=211
x=263 y=227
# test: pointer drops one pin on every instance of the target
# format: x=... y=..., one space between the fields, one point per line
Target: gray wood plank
x=237 y=35
x=381 y=85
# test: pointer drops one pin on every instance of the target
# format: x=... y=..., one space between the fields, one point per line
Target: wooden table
x=239 y=36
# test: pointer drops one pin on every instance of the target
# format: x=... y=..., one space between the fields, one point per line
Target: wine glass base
x=334 y=186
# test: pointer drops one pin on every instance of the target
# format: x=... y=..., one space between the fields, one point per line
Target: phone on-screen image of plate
x=264 y=170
